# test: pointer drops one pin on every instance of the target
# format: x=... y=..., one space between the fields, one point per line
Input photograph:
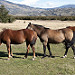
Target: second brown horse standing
x=47 y=36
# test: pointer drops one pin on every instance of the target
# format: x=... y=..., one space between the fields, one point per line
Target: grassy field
x=47 y=66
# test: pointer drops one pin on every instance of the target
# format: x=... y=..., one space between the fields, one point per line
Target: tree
x=3 y=14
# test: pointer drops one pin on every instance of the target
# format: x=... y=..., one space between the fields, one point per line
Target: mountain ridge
x=24 y=10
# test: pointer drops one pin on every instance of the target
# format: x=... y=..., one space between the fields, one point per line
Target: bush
x=11 y=19
x=3 y=14
x=4 y=17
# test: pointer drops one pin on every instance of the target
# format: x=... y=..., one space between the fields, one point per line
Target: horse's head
x=30 y=26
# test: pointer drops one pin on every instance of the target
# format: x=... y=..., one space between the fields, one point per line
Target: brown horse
x=47 y=36
x=8 y=37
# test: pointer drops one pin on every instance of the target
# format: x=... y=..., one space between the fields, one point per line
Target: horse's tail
x=35 y=34
x=34 y=38
x=72 y=41
x=1 y=35
x=0 y=38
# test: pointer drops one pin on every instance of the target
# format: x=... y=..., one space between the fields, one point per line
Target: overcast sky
x=44 y=3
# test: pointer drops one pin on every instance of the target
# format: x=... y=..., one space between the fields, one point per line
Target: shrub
x=62 y=18
x=4 y=17
x=11 y=19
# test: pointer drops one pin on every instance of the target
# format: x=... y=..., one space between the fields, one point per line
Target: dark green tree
x=3 y=14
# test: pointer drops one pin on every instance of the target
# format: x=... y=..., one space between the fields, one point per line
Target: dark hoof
x=25 y=57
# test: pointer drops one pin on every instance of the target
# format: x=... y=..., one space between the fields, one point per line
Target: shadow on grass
x=3 y=54
x=29 y=54
x=37 y=54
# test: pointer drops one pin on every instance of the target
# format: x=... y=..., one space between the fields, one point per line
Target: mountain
x=67 y=6
x=18 y=9
x=24 y=10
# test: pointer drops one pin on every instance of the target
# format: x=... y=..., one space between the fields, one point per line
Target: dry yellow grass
x=21 y=24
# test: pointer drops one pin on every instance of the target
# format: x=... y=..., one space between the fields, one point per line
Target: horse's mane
x=39 y=26
x=3 y=29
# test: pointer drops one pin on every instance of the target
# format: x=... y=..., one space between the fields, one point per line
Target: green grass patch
x=45 y=66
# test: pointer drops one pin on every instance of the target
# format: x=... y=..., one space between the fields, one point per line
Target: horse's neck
x=38 y=31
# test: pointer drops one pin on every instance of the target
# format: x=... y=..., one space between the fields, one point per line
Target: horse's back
x=17 y=36
x=57 y=36
x=13 y=36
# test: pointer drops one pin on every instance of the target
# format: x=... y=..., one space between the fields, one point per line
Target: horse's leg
x=33 y=48
x=68 y=45
x=65 y=55
x=73 y=48
x=11 y=51
x=44 y=48
x=8 y=49
x=28 y=47
x=49 y=49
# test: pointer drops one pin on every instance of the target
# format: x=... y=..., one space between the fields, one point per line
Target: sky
x=43 y=3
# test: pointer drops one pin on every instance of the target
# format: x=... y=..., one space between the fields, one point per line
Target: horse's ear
x=68 y=26
x=29 y=23
x=4 y=29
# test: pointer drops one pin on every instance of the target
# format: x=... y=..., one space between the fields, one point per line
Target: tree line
x=62 y=18
x=5 y=17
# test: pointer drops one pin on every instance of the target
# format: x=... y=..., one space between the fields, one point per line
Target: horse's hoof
x=11 y=56
x=74 y=57
x=33 y=58
x=24 y=57
x=8 y=59
x=64 y=56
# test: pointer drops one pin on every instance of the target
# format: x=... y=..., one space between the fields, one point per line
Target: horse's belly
x=58 y=39
x=55 y=42
x=17 y=41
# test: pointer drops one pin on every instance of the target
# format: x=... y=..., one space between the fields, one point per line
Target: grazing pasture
x=47 y=66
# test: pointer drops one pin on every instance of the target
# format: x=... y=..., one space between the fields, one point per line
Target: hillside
x=68 y=6
x=24 y=10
